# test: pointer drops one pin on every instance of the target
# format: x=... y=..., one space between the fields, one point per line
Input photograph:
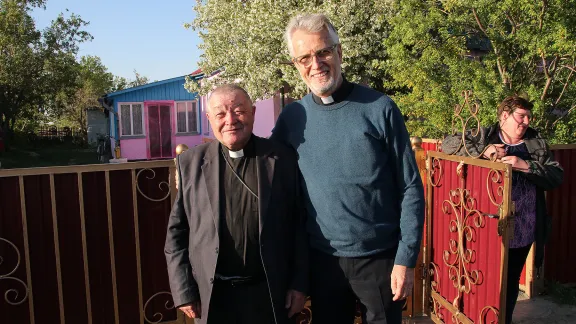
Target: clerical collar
x=338 y=96
x=248 y=150
x=236 y=154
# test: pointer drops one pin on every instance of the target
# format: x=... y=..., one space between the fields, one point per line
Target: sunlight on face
x=231 y=116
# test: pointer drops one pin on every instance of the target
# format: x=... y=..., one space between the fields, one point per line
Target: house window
x=131 y=119
x=186 y=117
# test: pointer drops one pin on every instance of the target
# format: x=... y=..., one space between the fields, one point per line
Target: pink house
x=149 y=121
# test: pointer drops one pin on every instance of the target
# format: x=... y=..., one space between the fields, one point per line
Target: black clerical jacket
x=192 y=242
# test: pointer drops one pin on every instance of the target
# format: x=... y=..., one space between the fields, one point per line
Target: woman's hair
x=512 y=103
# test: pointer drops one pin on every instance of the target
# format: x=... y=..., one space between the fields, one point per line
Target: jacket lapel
x=265 y=170
x=210 y=172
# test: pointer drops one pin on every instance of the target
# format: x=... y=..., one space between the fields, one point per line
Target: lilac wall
x=190 y=141
x=133 y=149
x=265 y=118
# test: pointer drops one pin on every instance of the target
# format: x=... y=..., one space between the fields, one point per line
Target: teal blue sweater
x=361 y=183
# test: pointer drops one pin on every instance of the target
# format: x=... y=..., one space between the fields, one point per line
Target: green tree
x=437 y=49
x=121 y=83
x=35 y=66
x=93 y=81
x=244 y=40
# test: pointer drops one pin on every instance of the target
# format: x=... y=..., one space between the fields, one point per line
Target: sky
x=146 y=36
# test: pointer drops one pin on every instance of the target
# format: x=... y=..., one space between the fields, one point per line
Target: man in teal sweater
x=364 y=196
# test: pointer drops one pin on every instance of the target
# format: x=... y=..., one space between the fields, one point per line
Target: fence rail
x=81 y=244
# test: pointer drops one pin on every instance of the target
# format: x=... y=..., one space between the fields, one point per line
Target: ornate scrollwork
x=162 y=183
x=471 y=122
x=484 y=313
x=435 y=274
x=14 y=301
x=495 y=176
x=158 y=317
x=305 y=316
x=458 y=257
x=437 y=308
x=435 y=170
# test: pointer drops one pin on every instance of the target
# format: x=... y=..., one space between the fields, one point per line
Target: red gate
x=468 y=217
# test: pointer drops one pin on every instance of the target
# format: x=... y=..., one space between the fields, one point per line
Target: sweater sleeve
x=409 y=185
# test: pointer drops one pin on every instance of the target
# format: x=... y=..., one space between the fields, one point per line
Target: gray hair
x=228 y=87
x=311 y=23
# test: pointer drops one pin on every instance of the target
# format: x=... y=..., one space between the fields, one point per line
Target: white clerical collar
x=327 y=100
x=236 y=154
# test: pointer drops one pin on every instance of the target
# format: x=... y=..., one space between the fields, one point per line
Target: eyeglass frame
x=522 y=116
x=331 y=48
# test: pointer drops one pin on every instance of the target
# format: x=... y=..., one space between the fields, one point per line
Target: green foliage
x=438 y=49
x=36 y=67
x=121 y=83
x=93 y=81
x=244 y=39
x=423 y=53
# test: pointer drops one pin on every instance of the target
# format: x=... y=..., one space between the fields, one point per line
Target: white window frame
x=120 y=104
x=188 y=103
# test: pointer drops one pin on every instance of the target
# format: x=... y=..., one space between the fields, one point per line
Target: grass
x=46 y=154
x=561 y=293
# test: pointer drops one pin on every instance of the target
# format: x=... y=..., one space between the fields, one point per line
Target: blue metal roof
x=148 y=85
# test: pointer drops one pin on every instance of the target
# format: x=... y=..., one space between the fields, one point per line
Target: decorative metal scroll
x=12 y=296
x=158 y=316
x=160 y=185
x=469 y=126
x=464 y=219
x=458 y=258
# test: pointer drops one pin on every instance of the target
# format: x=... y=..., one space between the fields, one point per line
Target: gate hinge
x=503 y=222
x=424 y=271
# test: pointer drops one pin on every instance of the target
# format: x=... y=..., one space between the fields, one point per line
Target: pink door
x=159 y=131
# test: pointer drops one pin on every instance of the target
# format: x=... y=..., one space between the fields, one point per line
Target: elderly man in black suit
x=236 y=246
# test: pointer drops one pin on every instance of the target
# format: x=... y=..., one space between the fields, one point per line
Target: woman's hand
x=497 y=149
x=516 y=163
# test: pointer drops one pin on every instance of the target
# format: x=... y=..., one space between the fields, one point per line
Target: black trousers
x=337 y=282
x=244 y=304
x=516 y=260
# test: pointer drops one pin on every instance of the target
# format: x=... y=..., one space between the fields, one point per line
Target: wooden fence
x=85 y=244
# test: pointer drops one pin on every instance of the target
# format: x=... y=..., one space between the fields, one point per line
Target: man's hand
x=192 y=310
x=295 y=301
x=497 y=149
x=516 y=163
x=402 y=281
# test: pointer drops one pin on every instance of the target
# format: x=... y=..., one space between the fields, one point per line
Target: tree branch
x=513 y=22
x=564 y=88
x=549 y=74
x=501 y=68
x=567 y=113
x=544 y=5
x=571 y=68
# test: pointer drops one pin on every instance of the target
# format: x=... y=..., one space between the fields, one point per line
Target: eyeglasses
x=322 y=54
x=522 y=116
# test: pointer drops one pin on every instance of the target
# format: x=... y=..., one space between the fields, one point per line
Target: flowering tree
x=244 y=40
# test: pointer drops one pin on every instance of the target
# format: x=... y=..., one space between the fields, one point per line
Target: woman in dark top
x=513 y=142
